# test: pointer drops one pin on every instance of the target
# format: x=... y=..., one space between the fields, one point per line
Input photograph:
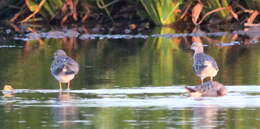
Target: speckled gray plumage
x=208 y=89
x=62 y=61
x=63 y=68
x=199 y=59
x=203 y=65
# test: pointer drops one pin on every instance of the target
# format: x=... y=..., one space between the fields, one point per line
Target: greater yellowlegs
x=209 y=88
x=64 y=68
x=203 y=64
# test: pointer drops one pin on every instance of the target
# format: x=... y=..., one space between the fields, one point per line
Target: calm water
x=130 y=82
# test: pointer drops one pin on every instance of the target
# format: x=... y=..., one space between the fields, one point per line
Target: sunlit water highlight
x=160 y=97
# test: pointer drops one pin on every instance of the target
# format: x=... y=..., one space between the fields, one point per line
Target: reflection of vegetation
x=161 y=53
x=135 y=62
x=31 y=70
x=125 y=118
x=111 y=63
x=112 y=118
x=246 y=68
x=245 y=118
x=32 y=67
x=7 y=61
x=157 y=63
x=129 y=63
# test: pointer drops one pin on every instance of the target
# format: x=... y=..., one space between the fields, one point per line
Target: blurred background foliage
x=162 y=12
x=157 y=12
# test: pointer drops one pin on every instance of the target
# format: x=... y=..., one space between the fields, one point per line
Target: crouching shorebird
x=203 y=65
x=207 y=89
x=64 y=68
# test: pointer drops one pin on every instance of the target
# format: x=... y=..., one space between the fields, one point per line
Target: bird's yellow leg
x=68 y=86
x=60 y=85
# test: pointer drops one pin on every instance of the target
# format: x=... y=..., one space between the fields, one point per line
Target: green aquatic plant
x=162 y=12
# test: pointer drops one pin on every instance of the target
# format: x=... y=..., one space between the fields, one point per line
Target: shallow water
x=129 y=81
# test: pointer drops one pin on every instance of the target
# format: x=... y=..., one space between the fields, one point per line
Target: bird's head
x=222 y=92
x=197 y=47
x=59 y=53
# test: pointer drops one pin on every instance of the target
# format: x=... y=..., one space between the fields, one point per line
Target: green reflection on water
x=114 y=118
x=125 y=63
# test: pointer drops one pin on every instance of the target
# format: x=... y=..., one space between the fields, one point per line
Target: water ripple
x=159 y=97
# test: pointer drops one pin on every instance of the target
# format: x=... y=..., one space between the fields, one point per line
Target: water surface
x=129 y=82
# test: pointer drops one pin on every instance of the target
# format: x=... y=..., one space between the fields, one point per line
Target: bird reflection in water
x=65 y=113
x=205 y=117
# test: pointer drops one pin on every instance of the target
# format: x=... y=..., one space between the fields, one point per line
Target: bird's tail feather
x=190 y=89
x=68 y=70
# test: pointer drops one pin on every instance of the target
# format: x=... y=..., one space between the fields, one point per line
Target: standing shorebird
x=203 y=64
x=64 y=68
